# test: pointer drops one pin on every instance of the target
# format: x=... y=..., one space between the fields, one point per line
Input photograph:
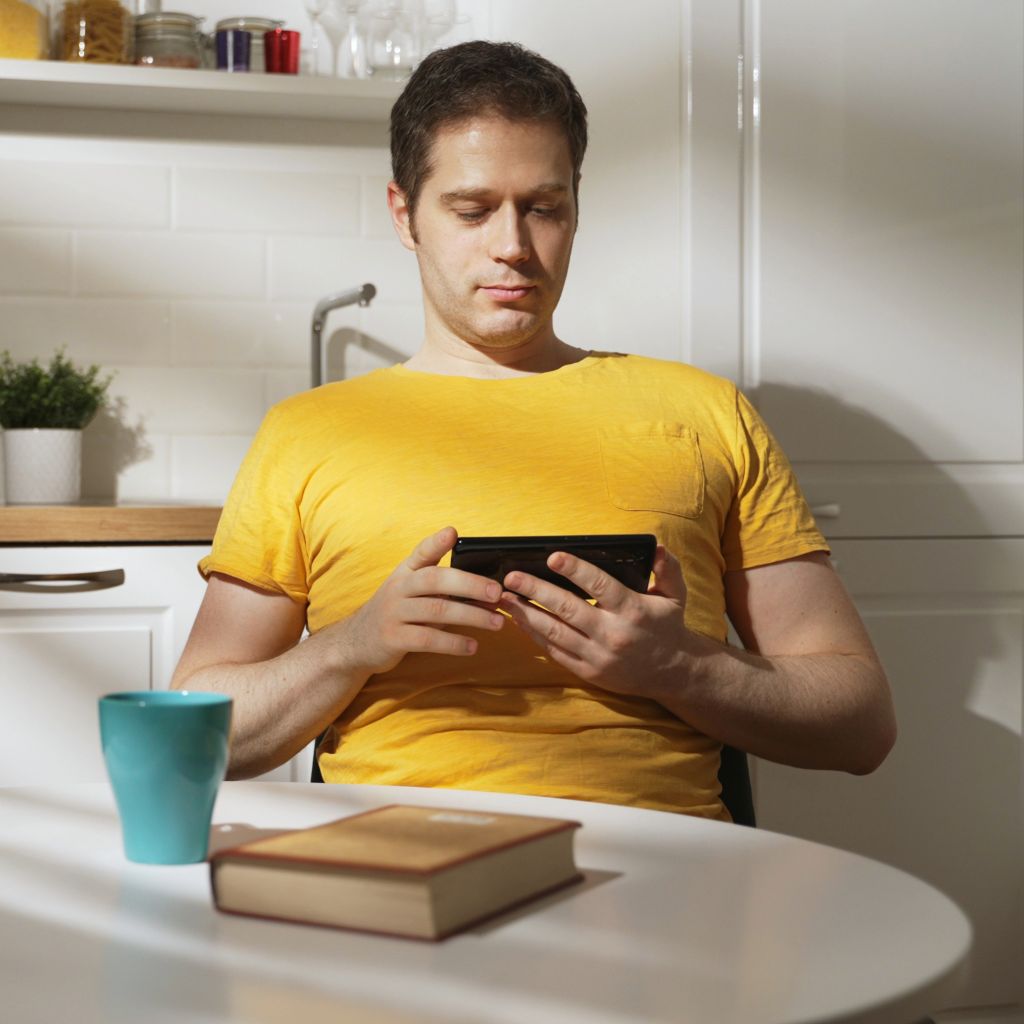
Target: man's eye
x=470 y=215
x=543 y=211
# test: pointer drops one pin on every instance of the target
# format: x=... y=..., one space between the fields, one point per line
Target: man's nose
x=510 y=238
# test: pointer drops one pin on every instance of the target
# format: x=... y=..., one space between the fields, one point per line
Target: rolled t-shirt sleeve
x=769 y=520
x=259 y=537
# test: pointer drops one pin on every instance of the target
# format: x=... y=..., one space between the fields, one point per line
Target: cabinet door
x=947 y=618
x=883 y=257
x=64 y=643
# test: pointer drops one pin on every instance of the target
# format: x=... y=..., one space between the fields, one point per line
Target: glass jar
x=257 y=26
x=168 y=40
x=24 y=29
x=97 y=31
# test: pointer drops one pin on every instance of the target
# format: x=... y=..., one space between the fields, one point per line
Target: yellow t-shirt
x=342 y=482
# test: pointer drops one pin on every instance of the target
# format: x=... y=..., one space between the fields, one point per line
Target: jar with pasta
x=97 y=31
x=24 y=29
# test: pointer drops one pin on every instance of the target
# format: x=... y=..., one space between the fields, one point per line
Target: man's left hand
x=624 y=641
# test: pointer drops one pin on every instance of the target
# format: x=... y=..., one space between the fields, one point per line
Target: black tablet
x=628 y=557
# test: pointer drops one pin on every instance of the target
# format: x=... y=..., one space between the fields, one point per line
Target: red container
x=281 y=51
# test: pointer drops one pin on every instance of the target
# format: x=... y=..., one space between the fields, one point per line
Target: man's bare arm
x=809 y=668
x=810 y=692
x=245 y=642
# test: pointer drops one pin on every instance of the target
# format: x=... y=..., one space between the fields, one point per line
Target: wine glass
x=396 y=40
x=353 y=56
x=335 y=23
x=315 y=10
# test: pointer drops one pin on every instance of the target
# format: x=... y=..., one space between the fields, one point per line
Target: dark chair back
x=315 y=775
x=734 y=776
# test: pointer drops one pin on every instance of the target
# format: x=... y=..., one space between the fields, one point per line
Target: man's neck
x=456 y=358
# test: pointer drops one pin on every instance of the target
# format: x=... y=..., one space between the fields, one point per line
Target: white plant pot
x=42 y=467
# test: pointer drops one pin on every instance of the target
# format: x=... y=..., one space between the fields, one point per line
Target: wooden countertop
x=97 y=523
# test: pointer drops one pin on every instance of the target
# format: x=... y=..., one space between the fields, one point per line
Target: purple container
x=233 y=46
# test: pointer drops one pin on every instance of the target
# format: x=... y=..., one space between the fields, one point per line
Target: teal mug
x=166 y=752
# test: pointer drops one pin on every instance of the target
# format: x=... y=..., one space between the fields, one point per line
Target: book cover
x=423 y=872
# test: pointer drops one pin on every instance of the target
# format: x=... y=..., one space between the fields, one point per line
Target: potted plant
x=43 y=410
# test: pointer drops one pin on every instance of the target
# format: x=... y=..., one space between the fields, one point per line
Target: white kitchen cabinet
x=65 y=643
x=947 y=618
x=854 y=230
x=854 y=219
x=886 y=258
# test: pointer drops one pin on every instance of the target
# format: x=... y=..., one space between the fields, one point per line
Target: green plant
x=62 y=396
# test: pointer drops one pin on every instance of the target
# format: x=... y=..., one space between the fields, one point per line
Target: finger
x=545 y=629
x=603 y=588
x=432 y=549
x=430 y=640
x=449 y=582
x=668 y=575
x=520 y=611
x=438 y=610
x=559 y=601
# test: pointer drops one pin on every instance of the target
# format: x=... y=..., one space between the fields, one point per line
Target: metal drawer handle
x=62 y=582
x=825 y=511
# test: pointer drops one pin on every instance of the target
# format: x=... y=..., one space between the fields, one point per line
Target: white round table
x=678 y=919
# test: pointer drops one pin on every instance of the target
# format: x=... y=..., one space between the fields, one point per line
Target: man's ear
x=401 y=216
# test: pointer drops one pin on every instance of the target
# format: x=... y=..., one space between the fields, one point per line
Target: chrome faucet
x=362 y=295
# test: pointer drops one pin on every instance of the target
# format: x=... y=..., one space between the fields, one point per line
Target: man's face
x=493 y=231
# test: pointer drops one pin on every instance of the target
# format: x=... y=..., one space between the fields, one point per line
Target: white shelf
x=182 y=91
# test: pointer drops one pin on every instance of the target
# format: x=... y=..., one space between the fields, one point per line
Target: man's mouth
x=507 y=293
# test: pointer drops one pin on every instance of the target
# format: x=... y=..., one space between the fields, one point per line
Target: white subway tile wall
x=172 y=264
x=197 y=462
x=322 y=204
x=96 y=195
x=190 y=271
x=35 y=261
x=300 y=262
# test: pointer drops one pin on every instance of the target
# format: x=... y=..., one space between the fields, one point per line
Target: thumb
x=668 y=576
x=432 y=549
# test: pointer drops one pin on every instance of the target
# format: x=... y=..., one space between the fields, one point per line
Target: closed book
x=421 y=872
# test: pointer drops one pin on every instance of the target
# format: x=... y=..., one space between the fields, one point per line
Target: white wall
x=186 y=253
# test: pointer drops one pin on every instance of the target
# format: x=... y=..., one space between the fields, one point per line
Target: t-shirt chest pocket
x=654 y=467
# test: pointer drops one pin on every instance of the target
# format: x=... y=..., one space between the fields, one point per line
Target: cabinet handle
x=61 y=582
x=825 y=511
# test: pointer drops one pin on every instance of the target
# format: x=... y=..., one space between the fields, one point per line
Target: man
x=434 y=677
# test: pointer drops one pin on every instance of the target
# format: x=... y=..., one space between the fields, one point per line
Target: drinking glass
x=334 y=22
x=353 y=55
x=315 y=10
x=395 y=43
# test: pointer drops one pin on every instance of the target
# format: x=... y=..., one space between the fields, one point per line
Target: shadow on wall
x=813 y=424
x=351 y=353
x=886 y=484
x=110 y=444
x=791 y=412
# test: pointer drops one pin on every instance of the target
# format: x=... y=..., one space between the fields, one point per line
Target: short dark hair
x=473 y=79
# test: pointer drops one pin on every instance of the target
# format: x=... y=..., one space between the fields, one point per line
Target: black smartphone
x=628 y=557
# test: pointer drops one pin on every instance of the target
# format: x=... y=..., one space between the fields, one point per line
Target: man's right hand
x=414 y=608
x=245 y=642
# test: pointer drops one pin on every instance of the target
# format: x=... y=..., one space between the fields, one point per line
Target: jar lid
x=166 y=21
x=247 y=24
